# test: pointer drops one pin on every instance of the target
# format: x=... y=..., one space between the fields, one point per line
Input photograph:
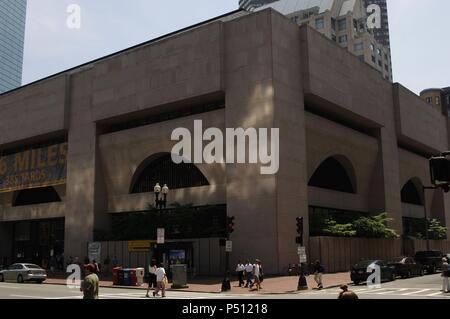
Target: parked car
x=431 y=260
x=361 y=271
x=407 y=267
x=23 y=272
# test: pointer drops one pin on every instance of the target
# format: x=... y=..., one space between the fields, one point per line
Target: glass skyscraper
x=12 y=37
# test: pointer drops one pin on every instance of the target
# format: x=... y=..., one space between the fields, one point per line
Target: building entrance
x=39 y=242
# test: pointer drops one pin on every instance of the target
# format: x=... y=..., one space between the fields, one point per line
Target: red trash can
x=133 y=277
x=115 y=275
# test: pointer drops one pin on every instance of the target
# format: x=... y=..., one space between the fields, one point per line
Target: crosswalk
x=141 y=295
x=403 y=292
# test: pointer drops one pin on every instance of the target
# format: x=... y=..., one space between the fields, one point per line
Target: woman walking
x=445 y=275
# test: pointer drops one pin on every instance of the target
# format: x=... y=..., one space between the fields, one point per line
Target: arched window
x=332 y=175
x=35 y=196
x=161 y=169
x=410 y=193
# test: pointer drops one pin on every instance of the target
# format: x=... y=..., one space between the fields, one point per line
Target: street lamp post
x=427 y=237
x=161 y=203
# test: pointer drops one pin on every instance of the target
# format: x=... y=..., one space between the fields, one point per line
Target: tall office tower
x=12 y=37
x=343 y=21
x=381 y=34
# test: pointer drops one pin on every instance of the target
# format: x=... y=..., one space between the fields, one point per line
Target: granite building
x=80 y=151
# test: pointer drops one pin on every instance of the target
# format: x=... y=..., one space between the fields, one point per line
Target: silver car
x=23 y=272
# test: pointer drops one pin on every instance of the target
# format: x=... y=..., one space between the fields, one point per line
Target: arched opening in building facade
x=335 y=173
x=35 y=196
x=160 y=168
x=411 y=192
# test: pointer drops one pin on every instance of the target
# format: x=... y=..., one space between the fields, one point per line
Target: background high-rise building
x=343 y=21
x=438 y=98
x=382 y=34
x=12 y=36
x=250 y=5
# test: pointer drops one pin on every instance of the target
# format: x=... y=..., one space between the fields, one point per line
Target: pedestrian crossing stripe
x=415 y=292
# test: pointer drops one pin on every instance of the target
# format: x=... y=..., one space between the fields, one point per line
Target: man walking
x=318 y=273
x=240 y=269
x=160 y=281
x=347 y=294
x=248 y=273
x=152 y=282
x=445 y=275
x=90 y=284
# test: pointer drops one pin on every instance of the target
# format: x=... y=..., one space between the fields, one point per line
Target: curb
x=289 y=292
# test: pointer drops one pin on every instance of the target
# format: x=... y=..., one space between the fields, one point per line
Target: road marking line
x=396 y=290
x=28 y=297
x=435 y=294
x=371 y=291
x=415 y=292
x=9 y=287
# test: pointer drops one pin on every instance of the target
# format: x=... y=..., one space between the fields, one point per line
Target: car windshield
x=364 y=264
x=31 y=266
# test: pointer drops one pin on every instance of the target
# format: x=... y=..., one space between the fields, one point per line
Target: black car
x=430 y=260
x=362 y=270
x=407 y=267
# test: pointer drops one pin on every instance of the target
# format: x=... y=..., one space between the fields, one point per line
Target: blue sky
x=420 y=52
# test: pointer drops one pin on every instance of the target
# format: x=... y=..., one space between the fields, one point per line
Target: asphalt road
x=427 y=287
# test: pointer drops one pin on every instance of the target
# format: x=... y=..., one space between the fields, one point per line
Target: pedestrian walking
x=256 y=275
x=161 y=280
x=445 y=275
x=318 y=273
x=240 y=270
x=347 y=294
x=248 y=273
x=96 y=267
x=152 y=283
x=90 y=284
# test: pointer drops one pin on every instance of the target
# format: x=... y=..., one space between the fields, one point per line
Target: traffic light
x=230 y=224
x=299 y=238
x=439 y=170
x=300 y=225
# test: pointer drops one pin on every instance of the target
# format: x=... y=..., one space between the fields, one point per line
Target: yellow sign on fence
x=139 y=245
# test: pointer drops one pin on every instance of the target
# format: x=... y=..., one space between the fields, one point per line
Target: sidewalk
x=276 y=285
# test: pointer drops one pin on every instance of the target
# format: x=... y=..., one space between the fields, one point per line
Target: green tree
x=436 y=230
x=334 y=229
x=374 y=227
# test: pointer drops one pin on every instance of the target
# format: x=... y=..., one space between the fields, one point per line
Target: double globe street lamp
x=161 y=202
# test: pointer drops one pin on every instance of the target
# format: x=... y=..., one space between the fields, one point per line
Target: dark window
x=164 y=171
x=342 y=24
x=35 y=196
x=332 y=175
x=410 y=194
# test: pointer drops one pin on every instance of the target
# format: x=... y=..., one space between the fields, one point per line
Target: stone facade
x=271 y=73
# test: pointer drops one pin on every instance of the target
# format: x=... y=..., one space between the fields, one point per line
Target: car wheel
x=393 y=277
x=40 y=281
x=20 y=279
x=1 y=278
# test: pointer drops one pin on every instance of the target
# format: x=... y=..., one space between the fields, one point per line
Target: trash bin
x=126 y=277
x=132 y=276
x=120 y=277
x=140 y=274
x=115 y=275
x=179 y=276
